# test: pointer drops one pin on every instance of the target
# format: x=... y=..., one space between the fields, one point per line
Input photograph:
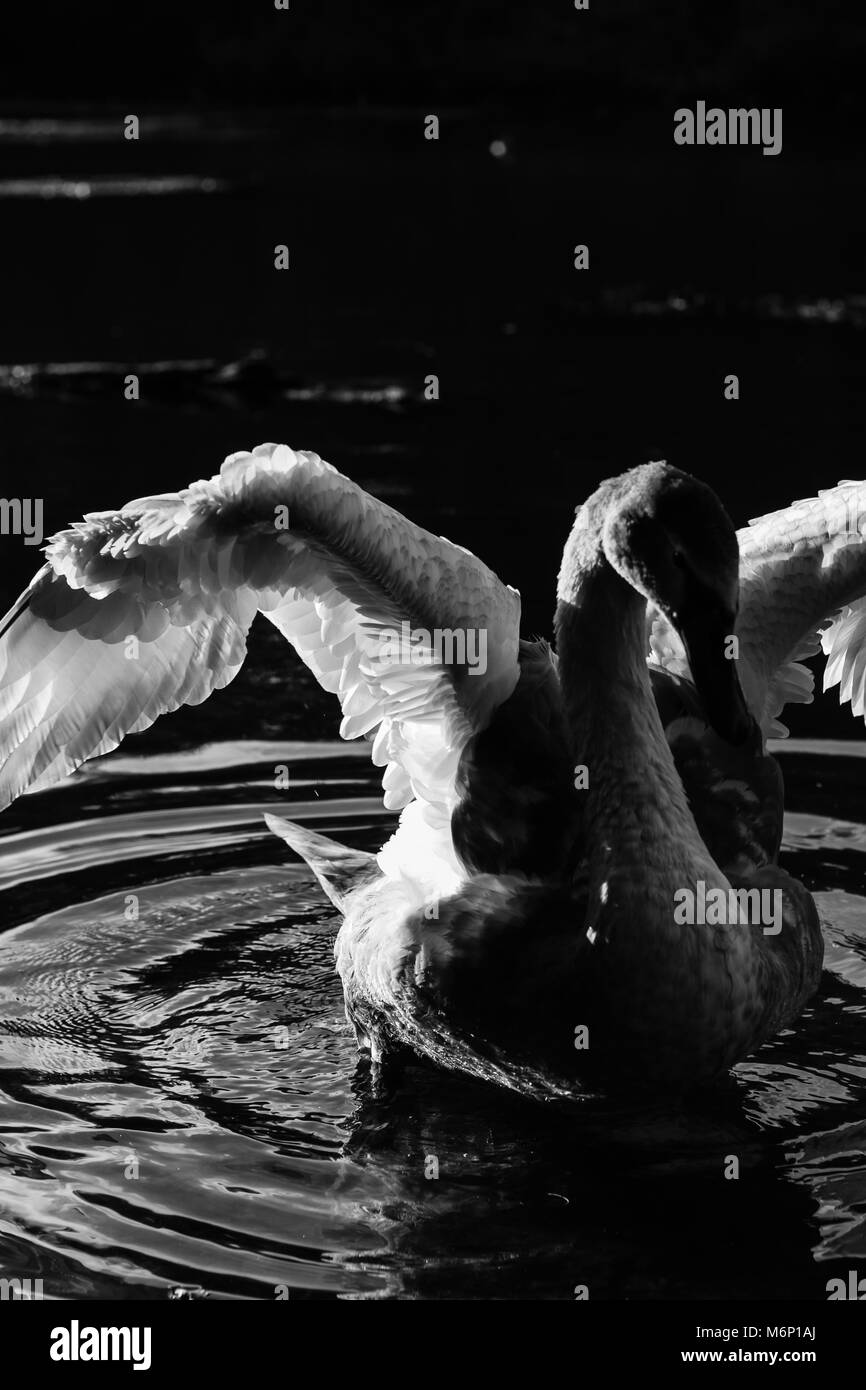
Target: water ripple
x=183 y=1114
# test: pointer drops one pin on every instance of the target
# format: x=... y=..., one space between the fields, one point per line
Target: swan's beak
x=707 y=640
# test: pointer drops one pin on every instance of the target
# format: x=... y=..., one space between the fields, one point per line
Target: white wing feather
x=802 y=588
x=140 y=611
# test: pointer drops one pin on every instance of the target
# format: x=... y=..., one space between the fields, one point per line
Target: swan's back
x=518 y=809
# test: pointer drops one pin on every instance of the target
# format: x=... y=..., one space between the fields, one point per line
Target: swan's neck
x=638 y=825
x=660 y=985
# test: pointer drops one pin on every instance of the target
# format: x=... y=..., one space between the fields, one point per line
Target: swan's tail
x=337 y=868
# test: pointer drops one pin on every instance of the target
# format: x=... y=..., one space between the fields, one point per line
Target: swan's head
x=670 y=537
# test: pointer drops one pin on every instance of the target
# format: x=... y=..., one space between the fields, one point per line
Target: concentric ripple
x=182 y=1111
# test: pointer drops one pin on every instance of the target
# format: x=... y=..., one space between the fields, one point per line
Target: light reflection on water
x=182 y=1108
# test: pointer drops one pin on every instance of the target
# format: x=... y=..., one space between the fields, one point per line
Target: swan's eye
x=679 y=559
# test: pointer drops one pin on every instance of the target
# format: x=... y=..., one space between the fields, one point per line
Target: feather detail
x=140 y=611
x=802 y=590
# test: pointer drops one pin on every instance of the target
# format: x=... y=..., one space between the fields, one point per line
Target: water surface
x=183 y=1113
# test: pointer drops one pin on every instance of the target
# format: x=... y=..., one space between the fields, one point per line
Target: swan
x=520 y=922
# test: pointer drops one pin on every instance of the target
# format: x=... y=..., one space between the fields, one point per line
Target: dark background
x=626 y=56
x=411 y=256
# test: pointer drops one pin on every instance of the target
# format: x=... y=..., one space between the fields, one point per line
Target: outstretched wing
x=140 y=611
x=802 y=589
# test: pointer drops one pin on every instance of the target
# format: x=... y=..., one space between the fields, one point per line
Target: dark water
x=181 y=1106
